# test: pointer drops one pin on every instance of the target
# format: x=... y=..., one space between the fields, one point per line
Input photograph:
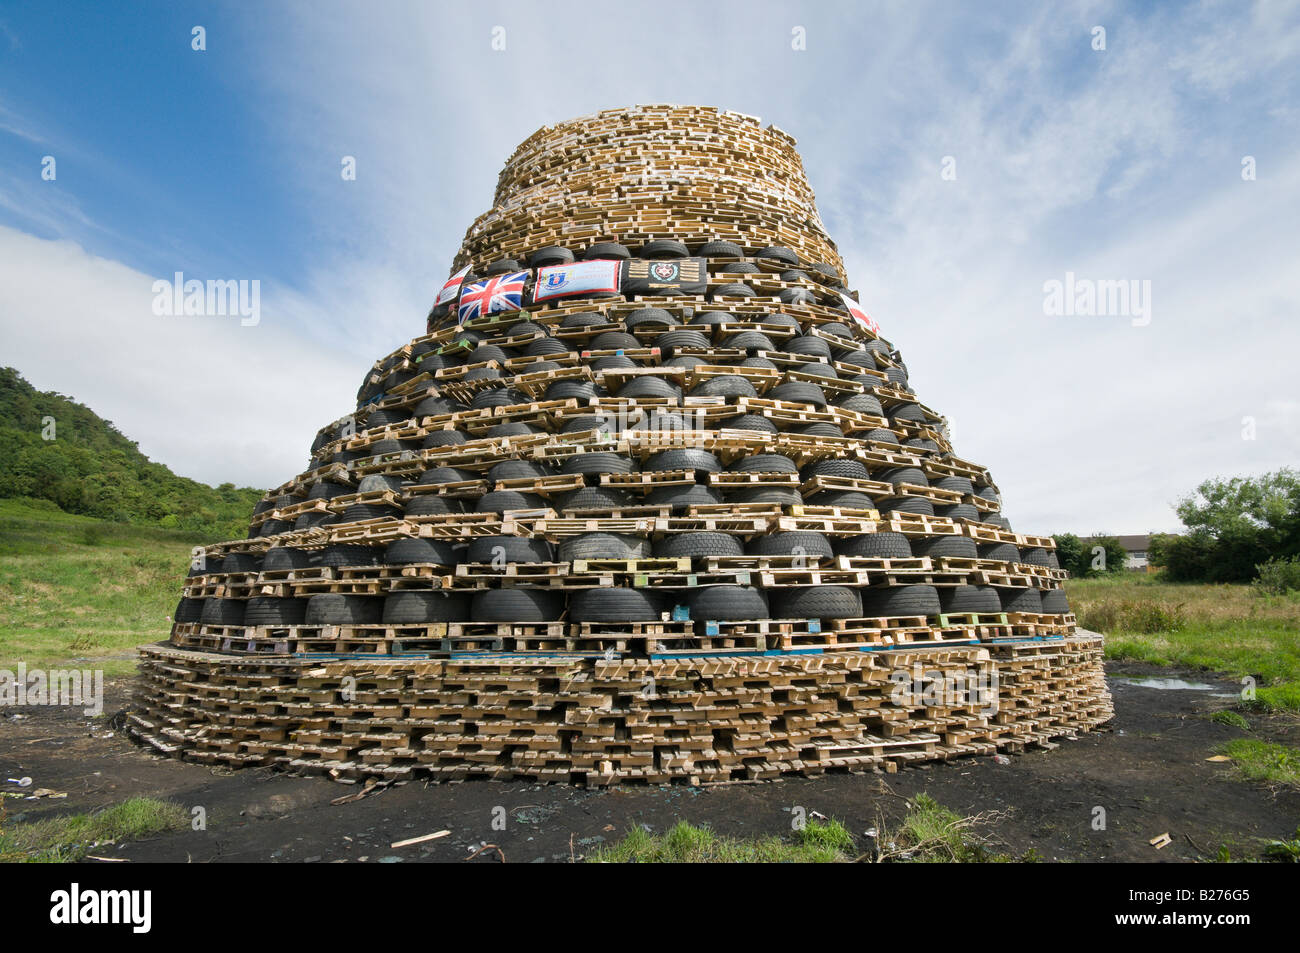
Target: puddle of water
x=1168 y=684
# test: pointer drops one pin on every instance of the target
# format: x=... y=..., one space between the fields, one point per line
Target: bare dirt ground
x=1148 y=770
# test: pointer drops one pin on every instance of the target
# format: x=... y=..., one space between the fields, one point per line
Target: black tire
x=1007 y=552
x=1001 y=522
x=779 y=495
x=792 y=543
x=550 y=255
x=503 y=501
x=875 y=546
x=681 y=337
x=906 y=504
x=958 y=547
x=817 y=602
x=1054 y=601
x=850 y=469
x=710 y=319
x=920 y=443
x=540 y=348
x=240 y=562
x=819 y=430
x=684 y=460
x=650 y=387
x=268 y=610
x=325 y=490
x=614 y=362
x=377 y=481
x=359 y=512
x=512 y=430
x=405 y=552
x=698 y=544
x=750 y=422
x=664 y=248
x=607 y=250
x=430 y=504
x=760 y=362
x=285 y=557
x=733 y=290
x=750 y=341
x=845 y=499
x=807 y=344
x=583 y=319
x=726 y=604
x=1016 y=599
x=502 y=266
x=650 y=318
x=955 y=484
x=799 y=392
x=614 y=341
x=720 y=249
x=729 y=385
x=764 y=463
x=518 y=470
x=596 y=462
x=970 y=599
x=333 y=608
x=596 y=498
x=222 y=612
x=421 y=606
x=443 y=438
x=779 y=253
x=516 y=605
x=681 y=497
x=910 y=475
x=959 y=511
x=342 y=554
x=796 y=296
x=563 y=390
x=603 y=546
x=614 y=605
x=901 y=601
x=188 y=610
x=509 y=549
x=500 y=397
x=1032 y=556
x=881 y=435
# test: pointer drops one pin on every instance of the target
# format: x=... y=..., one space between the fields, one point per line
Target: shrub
x=1278 y=576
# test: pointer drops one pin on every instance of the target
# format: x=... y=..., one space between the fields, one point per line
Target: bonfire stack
x=652 y=498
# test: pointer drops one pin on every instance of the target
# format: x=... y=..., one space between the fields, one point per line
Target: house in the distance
x=1135 y=548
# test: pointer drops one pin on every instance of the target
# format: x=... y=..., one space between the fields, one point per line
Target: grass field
x=69 y=838
x=78 y=588
x=1229 y=629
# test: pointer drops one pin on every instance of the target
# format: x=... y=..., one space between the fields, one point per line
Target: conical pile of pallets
x=651 y=498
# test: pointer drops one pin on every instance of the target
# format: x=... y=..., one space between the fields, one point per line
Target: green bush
x=1278 y=576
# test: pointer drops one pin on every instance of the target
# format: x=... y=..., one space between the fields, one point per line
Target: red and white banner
x=576 y=278
x=860 y=316
x=452 y=287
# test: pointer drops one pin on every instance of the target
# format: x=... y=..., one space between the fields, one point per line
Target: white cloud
x=215 y=401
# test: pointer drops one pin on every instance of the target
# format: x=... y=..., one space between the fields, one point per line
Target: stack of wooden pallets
x=817 y=580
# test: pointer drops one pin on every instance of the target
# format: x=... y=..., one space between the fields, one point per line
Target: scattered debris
x=419 y=840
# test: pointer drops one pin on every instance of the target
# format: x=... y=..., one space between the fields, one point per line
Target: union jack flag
x=492 y=295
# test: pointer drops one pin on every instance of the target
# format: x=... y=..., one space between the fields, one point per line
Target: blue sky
x=1115 y=164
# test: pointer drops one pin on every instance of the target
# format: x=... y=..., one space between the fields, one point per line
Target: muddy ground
x=1148 y=770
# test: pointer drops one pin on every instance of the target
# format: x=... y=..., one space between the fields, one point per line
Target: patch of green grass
x=1213 y=627
x=70 y=839
x=1230 y=718
x=1285 y=851
x=818 y=843
x=1266 y=761
x=932 y=833
x=72 y=587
